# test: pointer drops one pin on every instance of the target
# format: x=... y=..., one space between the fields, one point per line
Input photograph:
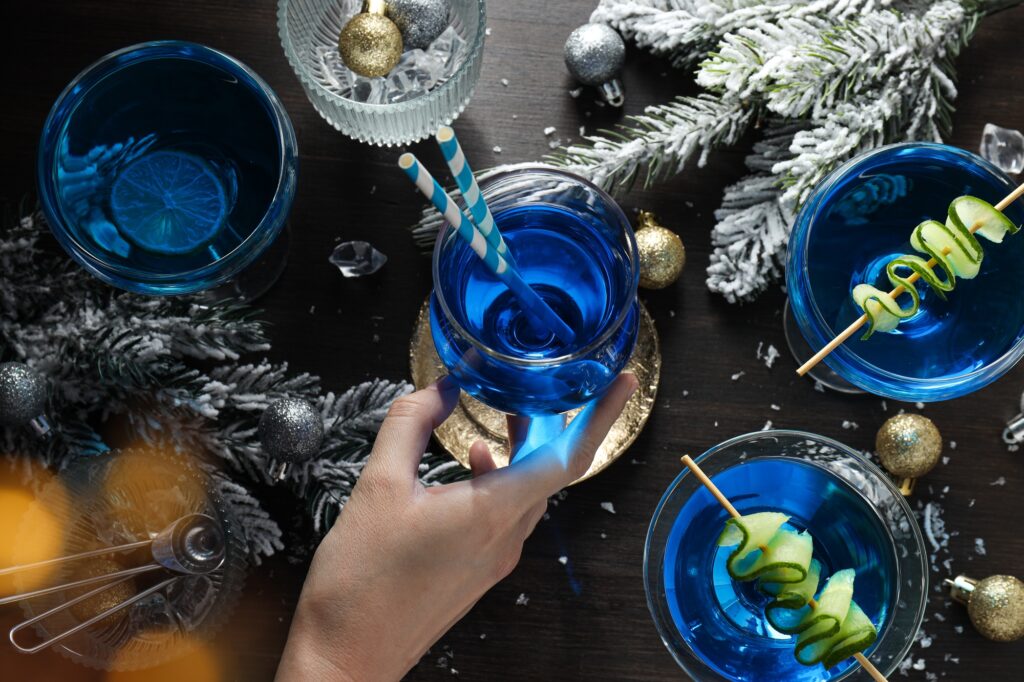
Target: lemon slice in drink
x=168 y=203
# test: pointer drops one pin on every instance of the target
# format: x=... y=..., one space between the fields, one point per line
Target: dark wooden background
x=361 y=328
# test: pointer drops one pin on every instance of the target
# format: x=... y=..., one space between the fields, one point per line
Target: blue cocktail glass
x=857 y=220
x=574 y=246
x=168 y=168
x=715 y=627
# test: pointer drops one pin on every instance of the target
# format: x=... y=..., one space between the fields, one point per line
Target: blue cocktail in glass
x=167 y=168
x=576 y=249
x=714 y=626
x=861 y=217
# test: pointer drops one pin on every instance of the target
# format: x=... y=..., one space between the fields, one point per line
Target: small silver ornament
x=594 y=54
x=22 y=397
x=420 y=21
x=291 y=430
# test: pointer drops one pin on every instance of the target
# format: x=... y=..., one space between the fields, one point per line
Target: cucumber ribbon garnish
x=830 y=629
x=953 y=246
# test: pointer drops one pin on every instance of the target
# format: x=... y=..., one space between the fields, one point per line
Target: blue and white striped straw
x=528 y=298
x=463 y=174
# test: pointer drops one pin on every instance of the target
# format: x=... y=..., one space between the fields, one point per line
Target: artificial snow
x=608 y=507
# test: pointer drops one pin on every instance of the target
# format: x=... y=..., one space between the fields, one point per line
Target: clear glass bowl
x=903 y=542
x=309 y=33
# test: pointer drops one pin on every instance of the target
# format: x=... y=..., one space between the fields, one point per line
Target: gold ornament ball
x=105 y=600
x=370 y=44
x=662 y=254
x=996 y=608
x=908 y=445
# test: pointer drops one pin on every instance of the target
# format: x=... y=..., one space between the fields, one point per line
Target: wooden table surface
x=587 y=620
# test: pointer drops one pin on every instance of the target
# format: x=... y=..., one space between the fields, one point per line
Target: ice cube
x=1004 y=147
x=355 y=259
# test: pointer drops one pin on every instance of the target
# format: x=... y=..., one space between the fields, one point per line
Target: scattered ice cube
x=356 y=259
x=1004 y=147
x=608 y=507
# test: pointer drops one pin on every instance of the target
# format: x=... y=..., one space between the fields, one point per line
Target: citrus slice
x=168 y=202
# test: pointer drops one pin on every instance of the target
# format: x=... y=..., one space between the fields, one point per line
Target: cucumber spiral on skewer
x=951 y=246
x=828 y=630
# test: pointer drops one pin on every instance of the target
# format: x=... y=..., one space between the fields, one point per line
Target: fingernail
x=445 y=384
x=634 y=382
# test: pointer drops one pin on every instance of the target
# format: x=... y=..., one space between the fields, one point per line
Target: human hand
x=405 y=562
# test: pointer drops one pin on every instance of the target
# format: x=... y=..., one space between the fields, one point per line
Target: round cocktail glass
x=861 y=217
x=573 y=245
x=169 y=168
x=714 y=626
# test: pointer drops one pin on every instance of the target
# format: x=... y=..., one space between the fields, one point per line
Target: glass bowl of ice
x=427 y=89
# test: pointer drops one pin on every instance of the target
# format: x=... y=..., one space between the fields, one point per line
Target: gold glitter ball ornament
x=370 y=44
x=908 y=445
x=995 y=605
x=662 y=254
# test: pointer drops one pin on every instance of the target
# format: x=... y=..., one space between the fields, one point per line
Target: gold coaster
x=472 y=420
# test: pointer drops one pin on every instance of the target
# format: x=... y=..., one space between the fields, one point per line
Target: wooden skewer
x=862 y=320
x=695 y=469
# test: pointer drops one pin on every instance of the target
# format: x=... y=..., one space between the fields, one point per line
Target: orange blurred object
x=200 y=664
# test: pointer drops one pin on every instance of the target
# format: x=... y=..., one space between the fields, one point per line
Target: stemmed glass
x=170 y=168
x=574 y=247
x=855 y=222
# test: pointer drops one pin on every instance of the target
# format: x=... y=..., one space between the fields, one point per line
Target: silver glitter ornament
x=291 y=430
x=594 y=54
x=420 y=21
x=22 y=397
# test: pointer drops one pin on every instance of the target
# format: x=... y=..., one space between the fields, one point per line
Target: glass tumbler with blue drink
x=573 y=246
x=169 y=168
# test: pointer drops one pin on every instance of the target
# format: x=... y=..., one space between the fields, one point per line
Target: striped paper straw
x=478 y=209
x=528 y=298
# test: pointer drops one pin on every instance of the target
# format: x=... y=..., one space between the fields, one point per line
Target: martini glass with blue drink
x=831 y=514
x=169 y=168
x=573 y=248
x=935 y=223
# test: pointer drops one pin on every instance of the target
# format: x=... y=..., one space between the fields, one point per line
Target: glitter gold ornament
x=662 y=254
x=370 y=44
x=116 y=594
x=909 y=446
x=995 y=605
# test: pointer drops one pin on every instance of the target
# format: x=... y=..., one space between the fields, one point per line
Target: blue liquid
x=582 y=272
x=867 y=219
x=723 y=620
x=166 y=165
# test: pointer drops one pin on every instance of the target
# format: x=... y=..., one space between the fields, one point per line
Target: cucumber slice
x=787 y=611
x=855 y=635
x=785 y=556
x=825 y=620
x=971 y=211
x=965 y=252
x=884 y=313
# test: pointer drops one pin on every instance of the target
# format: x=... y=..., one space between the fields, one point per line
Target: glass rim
x=624 y=310
x=77 y=91
x=847 y=363
x=284 y=33
x=869 y=466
